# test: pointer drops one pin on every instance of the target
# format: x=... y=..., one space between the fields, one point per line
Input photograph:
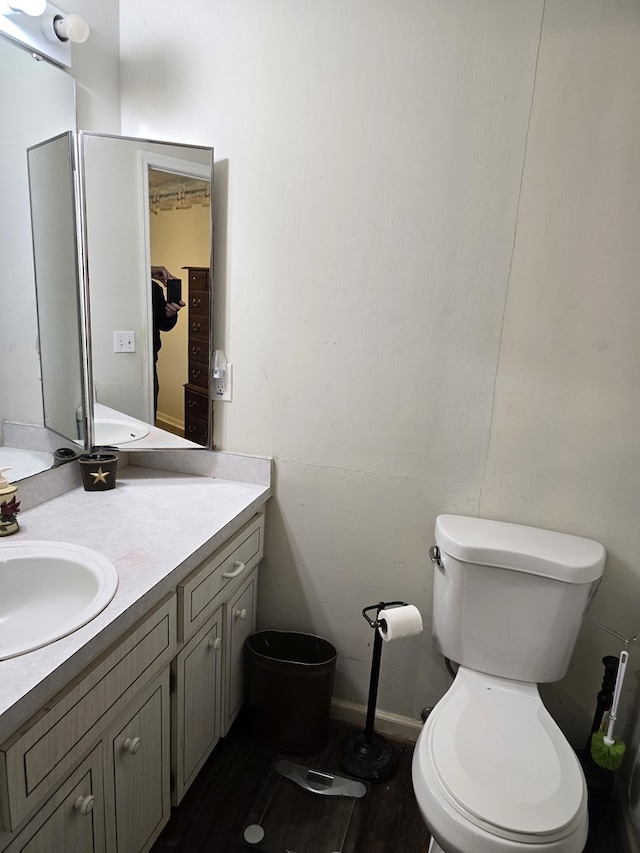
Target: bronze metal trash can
x=290 y=684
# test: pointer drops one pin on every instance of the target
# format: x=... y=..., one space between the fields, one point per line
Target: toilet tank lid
x=560 y=556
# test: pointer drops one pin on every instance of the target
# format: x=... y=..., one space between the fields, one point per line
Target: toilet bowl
x=492 y=772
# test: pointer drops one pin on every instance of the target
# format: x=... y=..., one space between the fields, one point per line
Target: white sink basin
x=110 y=432
x=48 y=590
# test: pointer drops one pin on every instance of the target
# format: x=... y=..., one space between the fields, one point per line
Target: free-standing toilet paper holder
x=367 y=755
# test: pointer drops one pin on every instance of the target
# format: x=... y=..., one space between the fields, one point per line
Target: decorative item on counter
x=9 y=506
x=62 y=455
x=98 y=471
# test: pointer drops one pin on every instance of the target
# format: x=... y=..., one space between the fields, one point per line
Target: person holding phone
x=165 y=317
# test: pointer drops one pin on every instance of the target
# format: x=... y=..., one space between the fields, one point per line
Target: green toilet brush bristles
x=605 y=750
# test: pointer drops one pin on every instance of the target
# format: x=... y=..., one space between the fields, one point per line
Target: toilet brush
x=605 y=750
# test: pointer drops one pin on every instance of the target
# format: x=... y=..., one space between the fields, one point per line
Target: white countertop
x=156 y=526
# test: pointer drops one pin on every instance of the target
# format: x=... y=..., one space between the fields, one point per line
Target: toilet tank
x=509 y=600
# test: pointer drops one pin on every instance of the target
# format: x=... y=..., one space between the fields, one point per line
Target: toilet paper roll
x=399 y=622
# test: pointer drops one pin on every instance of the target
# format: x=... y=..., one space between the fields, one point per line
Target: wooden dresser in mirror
x=198 y=414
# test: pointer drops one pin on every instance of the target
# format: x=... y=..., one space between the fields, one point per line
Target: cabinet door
x=138 y=780
x=196 y=703
x=240 y=623
x=73 y=819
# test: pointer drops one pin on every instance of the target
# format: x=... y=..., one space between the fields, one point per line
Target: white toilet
x=492 y=772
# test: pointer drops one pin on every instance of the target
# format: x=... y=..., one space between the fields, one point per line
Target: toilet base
x=434 y=847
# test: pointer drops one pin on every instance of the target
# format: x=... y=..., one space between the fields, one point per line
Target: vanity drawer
x=200 y=594
x=38 y=757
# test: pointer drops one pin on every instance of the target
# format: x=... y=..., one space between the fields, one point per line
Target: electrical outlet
x=124 y=341
x=222 y=387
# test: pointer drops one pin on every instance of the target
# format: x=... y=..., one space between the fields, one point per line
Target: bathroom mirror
x=140 y=204
x=147 y=203
x=37 y=100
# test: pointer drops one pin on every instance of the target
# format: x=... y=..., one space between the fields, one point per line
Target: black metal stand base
x=368 y=757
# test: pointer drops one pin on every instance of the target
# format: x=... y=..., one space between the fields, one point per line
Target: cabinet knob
x=215 y=643
x=131 y=745
x=238 y=567
x=84 y=805
x=241 y=614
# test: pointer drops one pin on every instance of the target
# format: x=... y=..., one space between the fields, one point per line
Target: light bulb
x=71 y=28
x=29 y=7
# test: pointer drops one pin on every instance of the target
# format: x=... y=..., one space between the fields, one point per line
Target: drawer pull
x=195 y=327
x=215 y=643
x=195 y=302
x=131 y=745
x=192 y=403
x=241 y=614
x=84 y=805
x=238 y=569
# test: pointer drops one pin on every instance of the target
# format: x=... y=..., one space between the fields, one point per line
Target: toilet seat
x=501 y=761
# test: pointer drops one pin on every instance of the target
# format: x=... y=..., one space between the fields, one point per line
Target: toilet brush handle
x=608 y=738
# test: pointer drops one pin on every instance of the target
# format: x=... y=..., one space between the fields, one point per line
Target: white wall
x=369 y=158
x=426 y=278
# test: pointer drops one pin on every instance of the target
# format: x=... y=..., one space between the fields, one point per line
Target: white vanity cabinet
x=137 y=790
x=73 y=818
x=44 y=757
x=97 y=769
x=216 y=613
x=240 y=622
x=197 y=678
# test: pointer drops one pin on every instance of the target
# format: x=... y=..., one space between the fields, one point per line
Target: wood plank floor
x=234 y=786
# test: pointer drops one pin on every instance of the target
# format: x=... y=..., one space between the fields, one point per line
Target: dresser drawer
x=201 y=593
x=198 y=373
x=199 y=351
x=196 y=431
x=37 y=758
x=198 y=278
x=198 y=303
x=198 y=328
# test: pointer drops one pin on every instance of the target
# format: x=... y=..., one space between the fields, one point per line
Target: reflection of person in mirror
x=165 y=317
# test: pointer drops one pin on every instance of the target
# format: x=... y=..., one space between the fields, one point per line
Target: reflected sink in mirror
x=109 y=432
x=49 y=589
x=23 y=463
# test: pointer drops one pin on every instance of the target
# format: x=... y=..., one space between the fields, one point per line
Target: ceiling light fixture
x=65 y=27
x=43 y=28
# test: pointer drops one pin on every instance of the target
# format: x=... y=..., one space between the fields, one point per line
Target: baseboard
x=392 y=725
x=169 y=424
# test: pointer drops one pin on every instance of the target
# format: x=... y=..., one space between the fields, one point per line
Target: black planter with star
x=98 y=471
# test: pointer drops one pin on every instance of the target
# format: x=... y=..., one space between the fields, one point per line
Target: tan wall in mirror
x=179 y=238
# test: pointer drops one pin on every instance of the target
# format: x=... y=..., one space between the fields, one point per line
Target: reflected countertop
x=156 y=526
